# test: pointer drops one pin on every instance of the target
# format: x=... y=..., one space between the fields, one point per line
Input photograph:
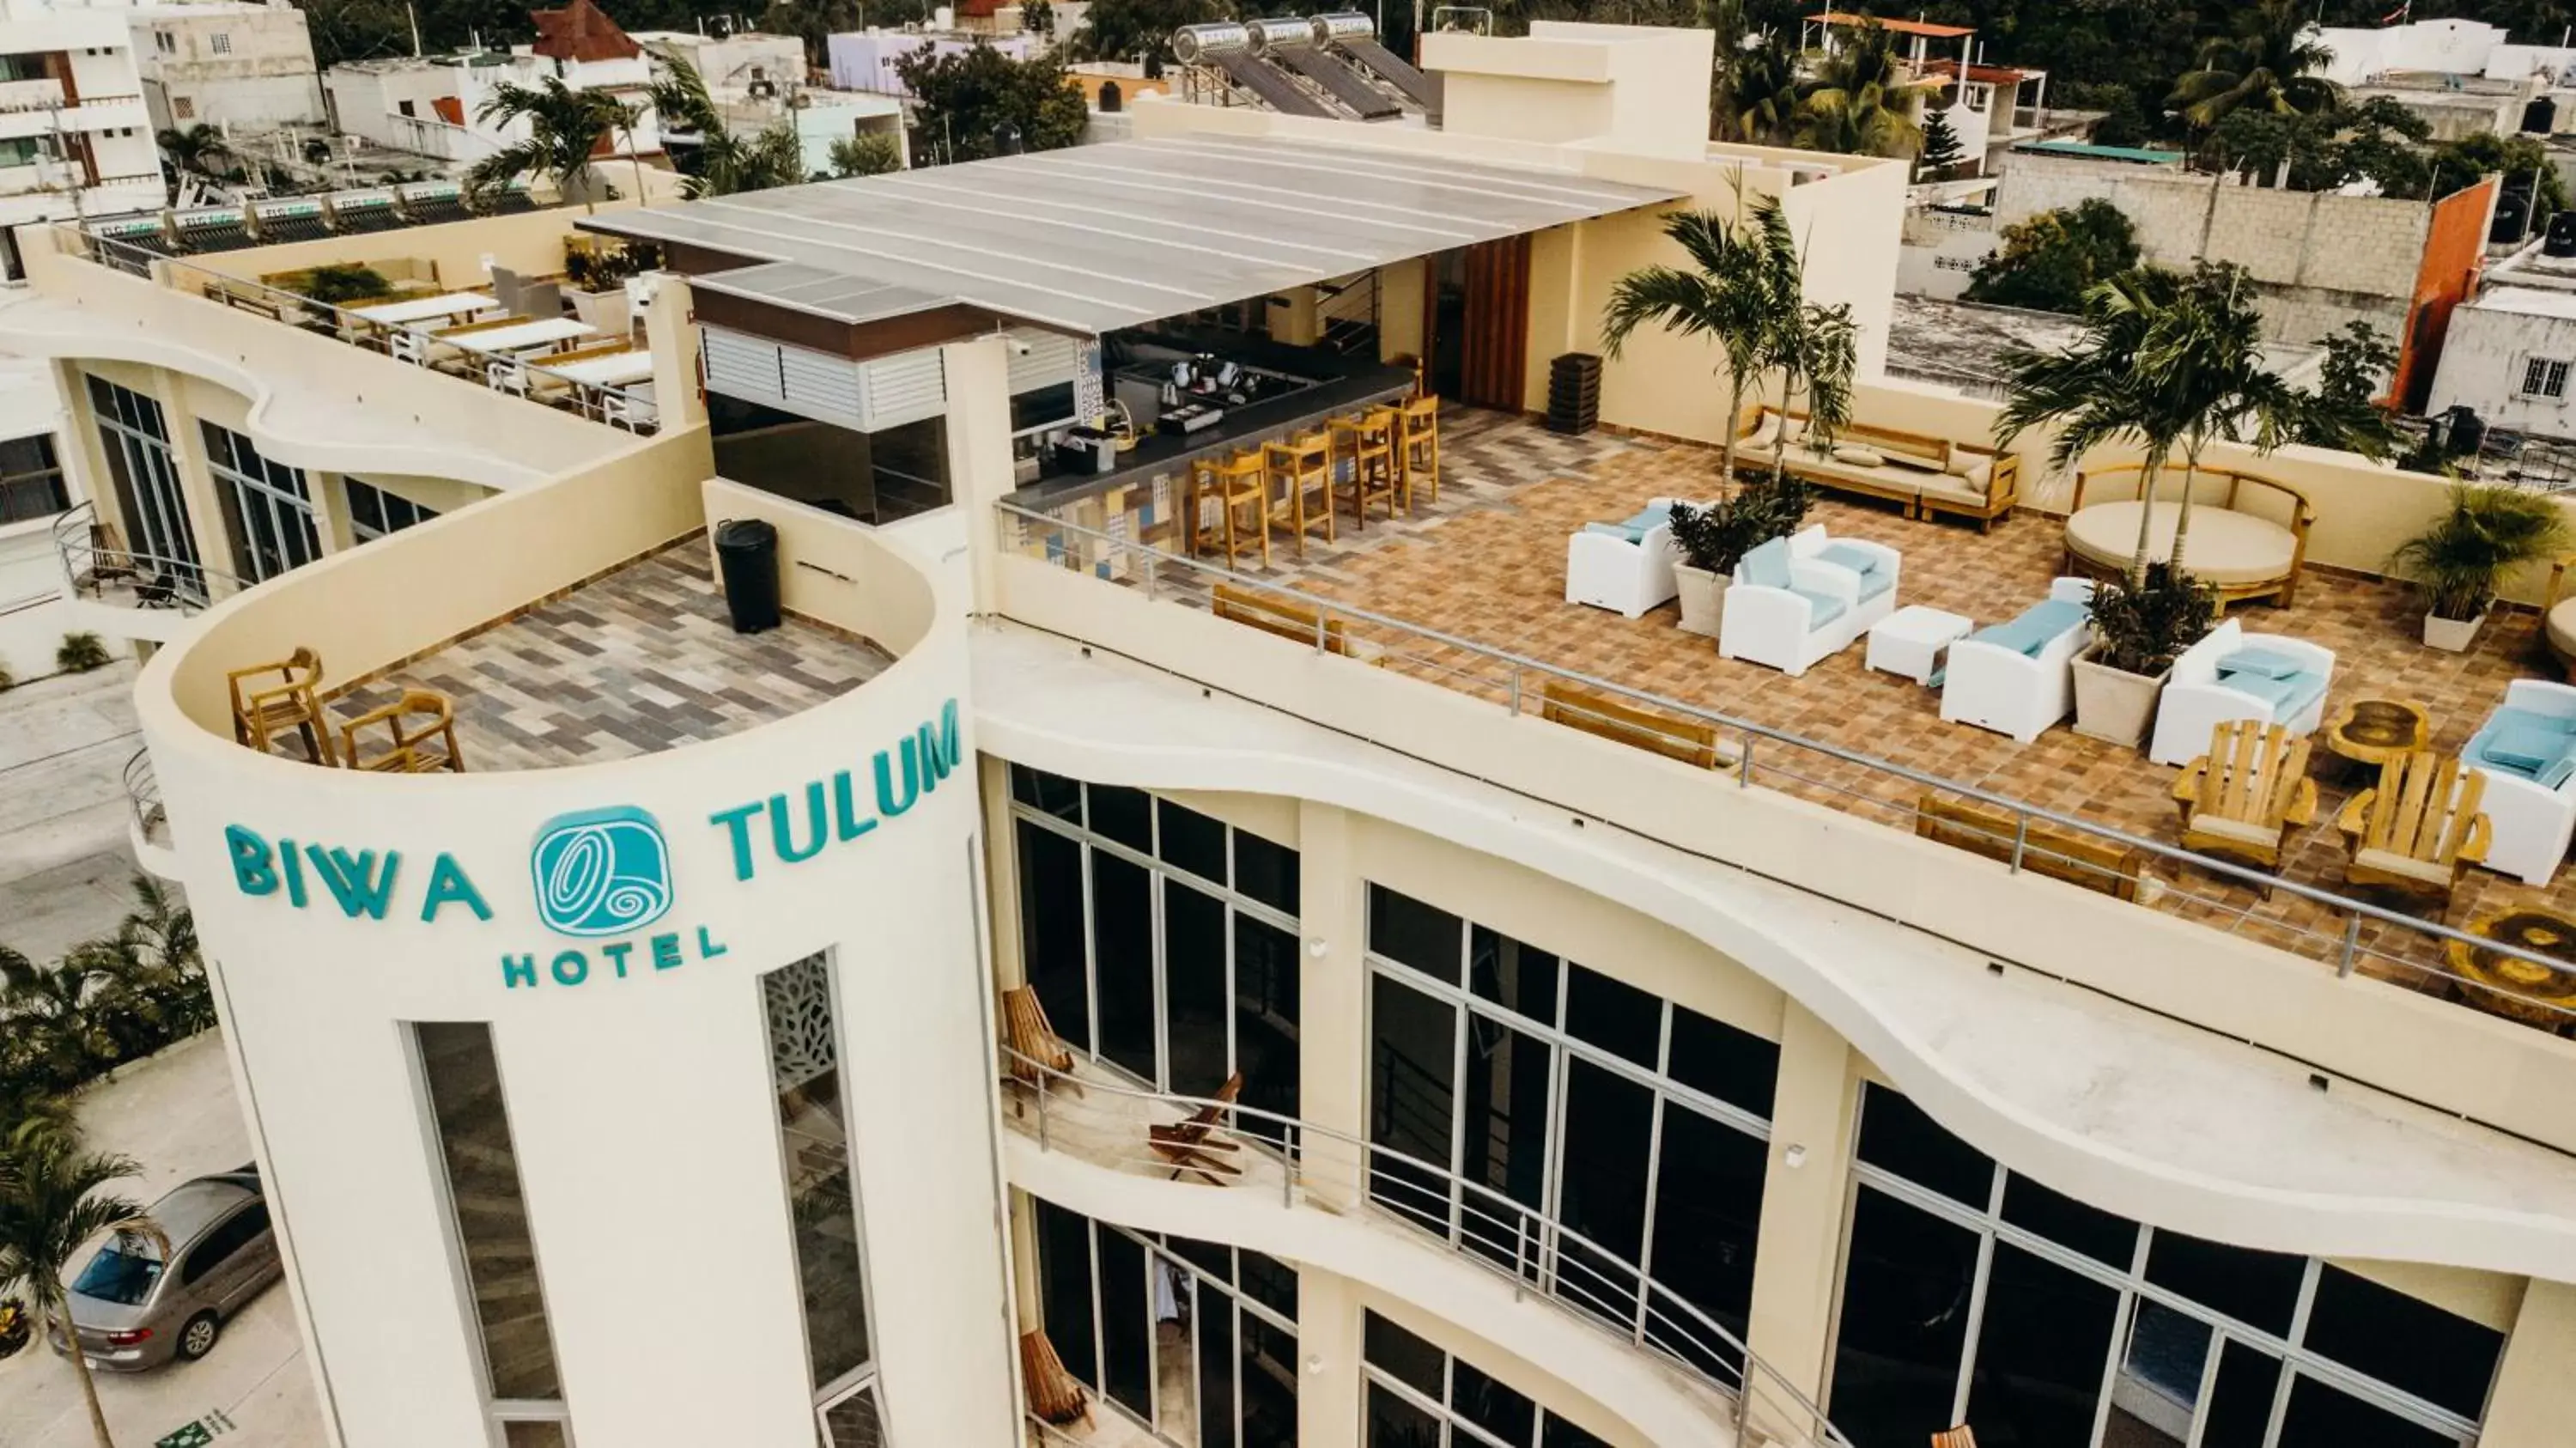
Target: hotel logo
x=601 y=872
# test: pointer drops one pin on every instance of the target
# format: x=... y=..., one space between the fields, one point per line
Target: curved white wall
x=640 y=1100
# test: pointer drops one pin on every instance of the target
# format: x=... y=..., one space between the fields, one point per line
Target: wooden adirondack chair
x=2419 y=830
x=1960 y=1437
x=1054 y=1394
x=1038 y=1049
x=2242 y=798
x=1188 y=1145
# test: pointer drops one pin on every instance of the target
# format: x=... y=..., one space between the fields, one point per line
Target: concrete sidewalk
x=64 y=861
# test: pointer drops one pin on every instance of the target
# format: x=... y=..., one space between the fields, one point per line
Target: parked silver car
x=133 y=1313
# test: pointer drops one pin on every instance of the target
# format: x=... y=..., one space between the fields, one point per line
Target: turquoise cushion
x=1858 y=560
x=2054 y=616
x=2519 y=747
x=2260 y=661
x=2507 y=716
x=1650 y=518
x=2286 y=696
x=1768 y=565
x=1627 y=531
x=1823 y=608
x=2016 y=636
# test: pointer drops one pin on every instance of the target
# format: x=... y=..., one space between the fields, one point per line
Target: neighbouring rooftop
x=1963 y=344
x=637 y=661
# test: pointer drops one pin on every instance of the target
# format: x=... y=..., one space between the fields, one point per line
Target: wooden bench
x=1037 y=1052
x=1189 y=1145
x=1055 y=1395
x=2419 y=830
x=1692 y=743
x=2051 y=850
x=1274 y=615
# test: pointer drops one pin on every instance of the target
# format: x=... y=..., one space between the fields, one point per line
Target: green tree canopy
x=2050 y=261
x=2266 y=62
x=965 y=97
x=1141 y=30
x=1941 y=148
x=1856 y=100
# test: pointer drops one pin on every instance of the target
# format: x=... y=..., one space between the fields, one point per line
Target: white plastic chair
x=2010 y=692
x=1781 y=627
x=2196 y=701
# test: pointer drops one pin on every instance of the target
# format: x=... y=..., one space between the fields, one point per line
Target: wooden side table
x=2511 y=987
x=2370 y=732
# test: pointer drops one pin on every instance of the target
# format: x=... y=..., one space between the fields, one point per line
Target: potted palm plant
x=1713 y=539
x=2457 y=564
x=1730 y=294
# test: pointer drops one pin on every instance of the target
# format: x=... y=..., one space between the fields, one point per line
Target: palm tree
x=52 y=1202
x=565 y=129
x=726 y=163
x=195 y=151
x=2264 y=65
x=1816 y=349
x=1759 y=89
x=2204 y=353
x=49 y=1013
x=1729 y=294
x=1856 y=102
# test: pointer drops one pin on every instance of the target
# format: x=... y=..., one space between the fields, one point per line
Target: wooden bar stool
x=1417 y=452
x=1199 y=529
x=1243 y=502
x=1295 y=470
x=1364 y=462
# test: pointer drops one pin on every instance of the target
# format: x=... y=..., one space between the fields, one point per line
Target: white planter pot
x=1703 y=596
x=2454 y=634
x=2114 y=704
x=608 y=311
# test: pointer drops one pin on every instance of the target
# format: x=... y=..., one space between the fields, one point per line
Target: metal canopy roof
x=1093 y=238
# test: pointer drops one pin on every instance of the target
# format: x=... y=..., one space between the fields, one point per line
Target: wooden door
x=1494 y=340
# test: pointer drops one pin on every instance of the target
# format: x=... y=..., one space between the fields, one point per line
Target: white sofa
x=1795 y=600
x=2527 y=751
x=2232 y=674
x=2018 y=678
x=1625 y=567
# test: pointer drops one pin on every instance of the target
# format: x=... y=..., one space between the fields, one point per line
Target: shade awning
x=1093 y=238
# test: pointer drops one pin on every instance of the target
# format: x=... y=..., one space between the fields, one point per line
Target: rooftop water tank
x=2562 y=235
x=1193 y=41
x=2512 y=217
x=2540 y=117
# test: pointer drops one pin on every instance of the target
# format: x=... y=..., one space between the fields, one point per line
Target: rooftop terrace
x=639 y=660
x=1485 y=565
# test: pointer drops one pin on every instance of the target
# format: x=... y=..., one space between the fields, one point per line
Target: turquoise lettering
x=617 y=951
x=571 y=967
x=951 y=750
x=293 y=864
x=253 y=873
x=448 y=886
x=737 y=822
x=708 y=949
x=845 y=808
x=666 y=951
x=782 y=833
x=518 y=970
x=886 y=805
x=354 y=882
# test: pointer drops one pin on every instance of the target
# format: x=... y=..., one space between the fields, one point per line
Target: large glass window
x=31 y=480
x=798 y=1003
x=1594 y=1129
x=1196 y=1340
x=1157 y=940
x=489 y=1216
x=267 y=506
x=375 y=512
x=1973 y=1295
x=1422 y=1397
x=136 y=439
x=872 y=477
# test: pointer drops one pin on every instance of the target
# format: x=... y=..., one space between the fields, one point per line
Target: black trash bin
x=747 y=551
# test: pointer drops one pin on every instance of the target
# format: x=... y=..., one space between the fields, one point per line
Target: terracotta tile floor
x=1487 y=564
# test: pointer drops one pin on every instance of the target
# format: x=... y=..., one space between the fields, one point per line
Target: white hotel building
x=645 y=1083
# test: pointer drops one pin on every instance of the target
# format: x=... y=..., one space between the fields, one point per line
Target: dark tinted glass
x=1904 y=1320
x=1617 y=1017
x=1896 y=1135
x=122 y=1272
x=1194 y=991
x=1212 y=1259
x=1395 y=1423
x=1490 y=1405
x=1609 y=1130
x=1517 y=977
x=2044 y=1338
x=1052 y=793
x=1270 y=1282
x=2063 y=1220
x=1404 y=929
x=1052 y=945
x=1405 y=1357
x=1124 y=815
x=1412 y=1073
x=1562 y=1434
x=1126 y=1328
x=1122 y=937
x=2240 y=1403
x=1708 y=1216
x=1504 y=1146
x=1265 y=1018
x=1266 y=872
x=1215 y=1370
x=2403 y=1341
x=1736 y=1067
x=1269 y=1384
x=2324 y=1417
x=1064 y=1288
x=2258 y=1288
x=1191 y=841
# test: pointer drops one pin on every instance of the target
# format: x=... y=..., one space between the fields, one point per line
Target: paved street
x=64 y=862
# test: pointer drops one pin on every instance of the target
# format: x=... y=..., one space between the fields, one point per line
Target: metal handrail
x=1490 y=1229
x=638 y=413
x=143 y=793
x=1747 y=733
x=158 y=582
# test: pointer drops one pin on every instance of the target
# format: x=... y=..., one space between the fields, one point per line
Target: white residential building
x=75 y=134
x=432 y=105
x=230 y=64
x=865 y=60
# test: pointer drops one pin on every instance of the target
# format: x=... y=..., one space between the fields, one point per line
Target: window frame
x=2543 y=378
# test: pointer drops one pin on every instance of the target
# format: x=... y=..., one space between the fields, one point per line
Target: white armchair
x=2216 y=680
x=1796 y=600
x=2525 y=749
x=2018 y=678
x=1625 y=567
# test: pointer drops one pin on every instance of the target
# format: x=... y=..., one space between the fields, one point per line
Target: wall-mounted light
x=1315 y=946
x=1795 y=1156
x=1314 y=1365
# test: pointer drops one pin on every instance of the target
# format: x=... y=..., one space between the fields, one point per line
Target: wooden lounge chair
x=262 y=710
x=1962 y=1436
x=1055 y=1395
x=2242 y=798
x=2419 y=830
x=2046 y=849
x=1692 y=743
x=1037 y=1051
x=420 y=736
x=1273 y=614
x=1188 y=1145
